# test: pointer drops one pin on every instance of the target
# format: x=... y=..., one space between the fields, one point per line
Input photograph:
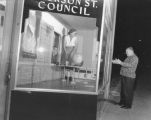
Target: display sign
x=87 y=8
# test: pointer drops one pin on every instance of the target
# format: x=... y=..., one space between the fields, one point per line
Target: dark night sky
x=133 y=23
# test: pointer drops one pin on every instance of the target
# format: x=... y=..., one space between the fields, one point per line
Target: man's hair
x=131 y=48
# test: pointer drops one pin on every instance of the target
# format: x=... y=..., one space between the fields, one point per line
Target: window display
x=57 y=51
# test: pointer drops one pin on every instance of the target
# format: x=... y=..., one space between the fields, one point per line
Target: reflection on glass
x=2 y=15
x=103 y=55
x=58 y=52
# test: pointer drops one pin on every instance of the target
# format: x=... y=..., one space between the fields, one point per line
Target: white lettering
x=59 y=7
x=85 y=12
x=69 y=1
x=51 y=6
x=63 y=1
x=94 y=3
x=41 y=5
x=87 y=3
x=66 y=7
x=56 y=0
x=81 y=10
x=73 y=9
x=78 y=2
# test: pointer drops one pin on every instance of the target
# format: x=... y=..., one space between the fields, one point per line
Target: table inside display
x=72 y=78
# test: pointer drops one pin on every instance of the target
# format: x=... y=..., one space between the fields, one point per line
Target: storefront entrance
x=59 y=57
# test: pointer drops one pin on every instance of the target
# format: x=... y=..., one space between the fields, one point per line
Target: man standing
x=128 y=75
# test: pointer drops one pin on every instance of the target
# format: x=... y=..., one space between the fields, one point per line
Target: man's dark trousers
x=127 y=91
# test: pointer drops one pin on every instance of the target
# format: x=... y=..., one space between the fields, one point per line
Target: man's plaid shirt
x=129 y=71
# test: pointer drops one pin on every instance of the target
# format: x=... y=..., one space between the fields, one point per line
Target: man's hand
x=117 y=61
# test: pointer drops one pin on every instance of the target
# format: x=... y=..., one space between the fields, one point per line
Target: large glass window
x=57 y=52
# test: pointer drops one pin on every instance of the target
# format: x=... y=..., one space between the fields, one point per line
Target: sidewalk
x=141 y=109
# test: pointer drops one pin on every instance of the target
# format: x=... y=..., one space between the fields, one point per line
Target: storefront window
x=57 y=52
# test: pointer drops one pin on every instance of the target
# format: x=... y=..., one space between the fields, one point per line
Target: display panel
x=57 y=52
